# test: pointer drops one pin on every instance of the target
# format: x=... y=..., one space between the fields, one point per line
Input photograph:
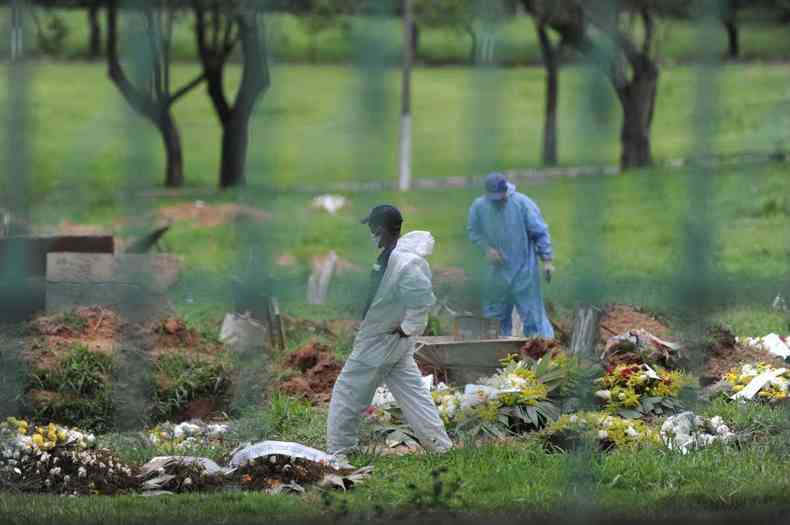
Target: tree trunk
x=235 y=138
x=638 y=99
x=473 y=50
x=734 y=49
x=95 y=32
x=174 y=170
x=550 y=62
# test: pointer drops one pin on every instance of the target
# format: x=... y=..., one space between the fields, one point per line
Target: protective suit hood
x=420 y=243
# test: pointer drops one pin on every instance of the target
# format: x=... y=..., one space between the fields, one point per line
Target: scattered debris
x=763 y=381
x=640 y=346
x=779 y=303
x=319 y=369
x=241 y=333
x=687 y=431
x=330 y=203
x=179 y=474
x=318 y=284
x=204 y=215
x=772 y=343
x=536 y=347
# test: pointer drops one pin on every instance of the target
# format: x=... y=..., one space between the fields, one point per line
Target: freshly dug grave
x=74 y=358
x=723 y=354
x=203 y=215
x=618 y=319
x=318 y=370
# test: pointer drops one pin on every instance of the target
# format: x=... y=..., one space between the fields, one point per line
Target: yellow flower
x=38 y=440
x=631 y=399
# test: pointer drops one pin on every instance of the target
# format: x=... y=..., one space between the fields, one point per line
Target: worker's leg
x=529 y=303
x=351 y=395
x=500 y=309
x=405 y=383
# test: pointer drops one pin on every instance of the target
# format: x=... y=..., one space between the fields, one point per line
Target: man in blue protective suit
x=511 y=233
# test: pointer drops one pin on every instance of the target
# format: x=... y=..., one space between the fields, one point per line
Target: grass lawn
x=291 y=39
x=517 y=477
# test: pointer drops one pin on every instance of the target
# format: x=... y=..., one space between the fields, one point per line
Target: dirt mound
x=204 y=215
x=319 y=369
x=619 y=319
x=723 y=354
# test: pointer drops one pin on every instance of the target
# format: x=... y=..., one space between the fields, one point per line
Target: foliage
x=180 y=380
x=77 y=391
x=634 y=391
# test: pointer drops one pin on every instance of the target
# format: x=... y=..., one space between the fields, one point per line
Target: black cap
x=386 y=216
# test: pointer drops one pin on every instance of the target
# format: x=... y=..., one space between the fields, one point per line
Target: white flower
x=66 y=479
x=716 y=421
x=17 y=472
x=631 y=431
x=603 y=434
x=573 y=418
x=81 y=472
x=102 y=466
x=188 y=482
x=55 y=472
x=607 y=422
x=604 y=394
x=621 y=396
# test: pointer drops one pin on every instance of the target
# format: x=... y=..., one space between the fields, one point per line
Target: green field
x=627 y=234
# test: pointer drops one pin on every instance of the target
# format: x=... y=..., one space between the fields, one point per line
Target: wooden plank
x=585 y=331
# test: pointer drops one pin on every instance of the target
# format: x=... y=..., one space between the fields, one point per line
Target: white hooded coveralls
x=404 y=298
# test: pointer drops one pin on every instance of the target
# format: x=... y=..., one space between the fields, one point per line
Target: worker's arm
x=415 y=290
x=538 y=231
x=475 y=230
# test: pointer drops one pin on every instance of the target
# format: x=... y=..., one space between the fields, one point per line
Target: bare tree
x=148 y=90
x=94 y=27
x=220 y=27
x=628 y=63
x=550 y=54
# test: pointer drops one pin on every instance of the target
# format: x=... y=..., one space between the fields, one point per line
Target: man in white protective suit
x=396 y=312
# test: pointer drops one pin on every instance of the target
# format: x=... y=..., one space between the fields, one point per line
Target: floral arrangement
x=777 y=382
x=607 y=430
x=58 y=460
x=518 y=398
x=637 y=390
x=188 y=438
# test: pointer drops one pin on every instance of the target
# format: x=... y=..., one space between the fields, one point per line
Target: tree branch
x=186 y=89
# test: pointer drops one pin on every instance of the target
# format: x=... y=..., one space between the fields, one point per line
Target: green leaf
x=532 y=414
x=629 y=414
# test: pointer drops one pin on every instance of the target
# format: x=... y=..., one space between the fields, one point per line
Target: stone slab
x=155 y=273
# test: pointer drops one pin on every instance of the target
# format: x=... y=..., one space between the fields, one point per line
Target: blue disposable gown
x=521 y=235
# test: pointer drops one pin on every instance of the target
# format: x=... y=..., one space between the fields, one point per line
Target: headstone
x=125 y=281
x=586 y=327
x=23 y=269
x=318 y=284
